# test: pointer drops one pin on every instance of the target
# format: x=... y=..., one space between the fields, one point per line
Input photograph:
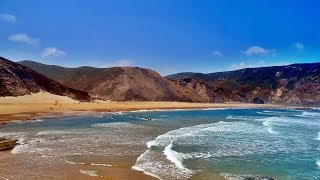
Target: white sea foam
x=107 y=117
x=142 y=165
x=274 y=113
x=16 y=121
x=229 y=117
x=240 y=117
x=292 y=109
x=290 y=121
x=150 y=161
x=27 y=121
x=115 y=125
x=36 y=120
x=46 y=132
x=143 y=110
x=14 y=135
x=316 y=108
x=151 y=143
x=105 y=165
x=271 y=131
x=160 y=110
x=144 y=119
x=318 y=138
x=201 y=155
x=213 y=109
x=231 y=176
x=20 y=149
x=173 y=156
x=89 y=172
x=230 y=127
x=318 y=163
x=70 y=162
x=155 y=164
x=312 y=114
x=268 y=122
x=267 y=111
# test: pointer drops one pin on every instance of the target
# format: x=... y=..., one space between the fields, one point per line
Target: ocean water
x=180 y=144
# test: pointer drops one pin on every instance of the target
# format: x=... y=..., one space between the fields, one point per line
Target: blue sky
x=166 y=35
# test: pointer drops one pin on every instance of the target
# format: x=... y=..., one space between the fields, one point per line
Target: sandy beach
x=42 y=105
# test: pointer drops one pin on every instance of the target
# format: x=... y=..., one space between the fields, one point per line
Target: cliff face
x=18 y=80
x=292 y=84
x=208 y=93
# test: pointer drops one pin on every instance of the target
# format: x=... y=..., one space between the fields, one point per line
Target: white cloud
x=257 y=50
x=217 y=53
x=121 y=62
x=243 y=65
x=299 y=46
x=24 y=38
x=52 y=51
x=8 y=18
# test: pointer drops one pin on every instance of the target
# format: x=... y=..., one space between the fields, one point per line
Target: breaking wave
x=312 y=114
x=89 y=172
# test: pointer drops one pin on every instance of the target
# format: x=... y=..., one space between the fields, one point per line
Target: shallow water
x=232 y=143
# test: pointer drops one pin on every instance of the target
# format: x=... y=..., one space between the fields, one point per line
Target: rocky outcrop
x=293 y=84
x=208 y=93
x=6 y=144
x=18 y=80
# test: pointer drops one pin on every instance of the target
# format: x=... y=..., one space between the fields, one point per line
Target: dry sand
x=41 y=97
x=48 y=105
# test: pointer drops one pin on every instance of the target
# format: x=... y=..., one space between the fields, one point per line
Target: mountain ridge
x=291 y=84
x=18 y=80
x=118 y=83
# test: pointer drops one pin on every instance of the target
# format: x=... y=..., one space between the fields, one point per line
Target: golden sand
x=47 y=105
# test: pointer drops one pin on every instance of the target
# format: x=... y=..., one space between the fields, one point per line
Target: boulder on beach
x=6 y=144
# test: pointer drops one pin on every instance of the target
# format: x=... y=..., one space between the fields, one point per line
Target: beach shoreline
x=30 y=111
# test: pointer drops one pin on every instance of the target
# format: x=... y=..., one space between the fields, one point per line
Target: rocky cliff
x=18 y=80
x=292 y=84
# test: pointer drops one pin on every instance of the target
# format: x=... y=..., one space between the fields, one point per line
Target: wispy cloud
x=121 y=62
x=52 y=51
x=217 y=53
x=24 y=38
x=242 y=65
x=257 y=50
x=8 y=18
x=299 y=46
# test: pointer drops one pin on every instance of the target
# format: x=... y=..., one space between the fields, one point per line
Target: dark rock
x=6 y=144
x=257 y=100
x=258 y=178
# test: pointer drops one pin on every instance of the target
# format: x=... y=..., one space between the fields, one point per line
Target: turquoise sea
x=179 y=144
